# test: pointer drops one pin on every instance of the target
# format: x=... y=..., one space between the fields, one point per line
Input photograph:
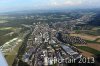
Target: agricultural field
x=7 y=28
x=8 y=33
x=98 y=40
x=85 y=53
x=86 y=37
x=12 y=54
x=3 y=21
x=92 y=48
x=88 y=49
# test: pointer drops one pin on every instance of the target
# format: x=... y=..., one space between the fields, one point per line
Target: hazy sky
x=13 y=5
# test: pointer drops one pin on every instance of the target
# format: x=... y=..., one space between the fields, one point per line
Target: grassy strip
x=88 y=41
x=88 y=49
x=97 y=39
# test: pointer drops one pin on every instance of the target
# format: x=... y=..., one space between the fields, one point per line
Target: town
x=46 y=43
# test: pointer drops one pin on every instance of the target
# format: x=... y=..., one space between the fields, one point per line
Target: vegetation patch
x=88 y=49
x=89 y=41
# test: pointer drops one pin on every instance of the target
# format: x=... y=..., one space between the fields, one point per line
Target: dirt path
x=94 y=46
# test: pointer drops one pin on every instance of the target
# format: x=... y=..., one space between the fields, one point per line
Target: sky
x=16 y=5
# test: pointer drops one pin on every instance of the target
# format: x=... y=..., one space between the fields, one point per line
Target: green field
x=7 y=28
x=3 y=21
x=89 y=41
x=11 y=55
x=88 y=49
x=8 y=33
